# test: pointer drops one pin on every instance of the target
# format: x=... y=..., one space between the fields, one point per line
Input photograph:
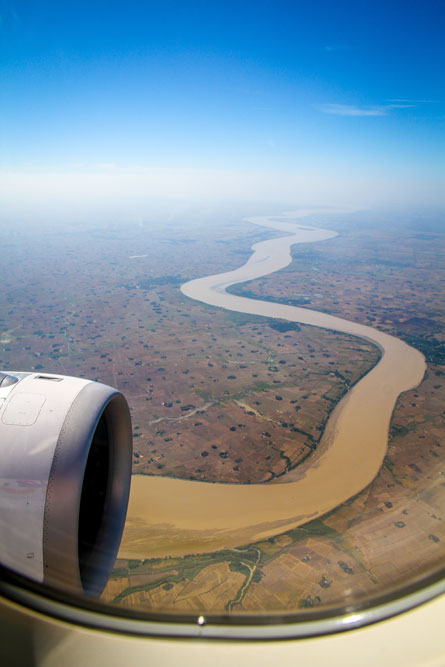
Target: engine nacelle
x=65 y=469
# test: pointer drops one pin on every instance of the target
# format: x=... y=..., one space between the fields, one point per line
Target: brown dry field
x=214 y=396
x=76 y=303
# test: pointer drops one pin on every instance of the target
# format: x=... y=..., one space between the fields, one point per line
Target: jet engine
x=65 y=470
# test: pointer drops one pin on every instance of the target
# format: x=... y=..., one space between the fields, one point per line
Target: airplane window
x=264 y=483
x=270 y=339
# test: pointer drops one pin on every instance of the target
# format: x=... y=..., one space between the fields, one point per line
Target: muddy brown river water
x=172 y=517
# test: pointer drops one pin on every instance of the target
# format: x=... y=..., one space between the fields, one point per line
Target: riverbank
x=176 y=517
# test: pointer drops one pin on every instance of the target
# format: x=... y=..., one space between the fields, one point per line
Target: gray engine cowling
x=65 y=470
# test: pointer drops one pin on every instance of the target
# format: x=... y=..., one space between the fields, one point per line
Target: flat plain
x=226 y=397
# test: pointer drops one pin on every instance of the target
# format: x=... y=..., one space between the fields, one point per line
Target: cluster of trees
x=431 y=348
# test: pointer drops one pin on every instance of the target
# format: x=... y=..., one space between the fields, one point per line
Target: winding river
x=172 y=517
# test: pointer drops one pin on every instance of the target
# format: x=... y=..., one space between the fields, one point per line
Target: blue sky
x=341 y=101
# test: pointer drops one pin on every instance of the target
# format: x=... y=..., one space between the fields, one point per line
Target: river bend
x=171 y=517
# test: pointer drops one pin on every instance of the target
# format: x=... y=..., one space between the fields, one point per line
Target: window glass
x=238 y=223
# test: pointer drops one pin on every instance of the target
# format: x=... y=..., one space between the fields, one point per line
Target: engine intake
x=65 y=470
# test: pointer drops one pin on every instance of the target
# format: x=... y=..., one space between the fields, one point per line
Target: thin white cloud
x=403 y=100
x=352 y=110
x=331 y=48
x=400 y=106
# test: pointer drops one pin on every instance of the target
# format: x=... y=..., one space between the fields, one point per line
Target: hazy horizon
x=109 y=107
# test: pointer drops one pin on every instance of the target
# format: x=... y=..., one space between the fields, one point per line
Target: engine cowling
x=65 y=470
